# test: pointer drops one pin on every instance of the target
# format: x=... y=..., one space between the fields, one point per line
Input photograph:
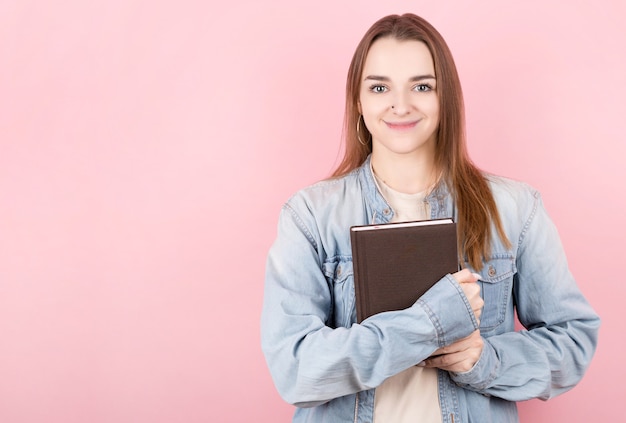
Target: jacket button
x=386 y=211
x=492 y=271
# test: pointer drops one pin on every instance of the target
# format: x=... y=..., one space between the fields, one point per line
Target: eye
x=422 y=88
x=378 y=89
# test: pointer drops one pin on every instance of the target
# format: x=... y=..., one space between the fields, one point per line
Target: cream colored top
x=412 y=395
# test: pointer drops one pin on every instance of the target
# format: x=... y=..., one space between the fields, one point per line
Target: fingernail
x=476 y=275
x=421 y=364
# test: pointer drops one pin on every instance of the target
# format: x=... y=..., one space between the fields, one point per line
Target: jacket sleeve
x=552 y=354
x=311 y=362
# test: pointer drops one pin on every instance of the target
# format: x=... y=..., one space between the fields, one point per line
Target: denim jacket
x=328 y=366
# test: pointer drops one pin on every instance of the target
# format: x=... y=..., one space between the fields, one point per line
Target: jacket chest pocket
x=496 y=279
x=338 y=273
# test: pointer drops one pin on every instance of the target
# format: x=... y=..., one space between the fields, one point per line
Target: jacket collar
x=379 y=211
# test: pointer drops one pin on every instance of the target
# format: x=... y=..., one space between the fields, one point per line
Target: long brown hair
x=475 y=204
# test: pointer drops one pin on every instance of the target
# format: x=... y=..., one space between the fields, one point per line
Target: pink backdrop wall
x=147 y=146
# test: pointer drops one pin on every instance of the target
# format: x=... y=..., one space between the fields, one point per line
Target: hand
x=468 y=280
x=458 y=357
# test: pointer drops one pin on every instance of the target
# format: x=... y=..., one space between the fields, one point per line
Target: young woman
x=454 y=356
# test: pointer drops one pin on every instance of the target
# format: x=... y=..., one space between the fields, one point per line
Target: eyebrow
x=387 y=79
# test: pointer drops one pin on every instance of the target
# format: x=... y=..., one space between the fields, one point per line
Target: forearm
x=552 y=355
x=539 y=363
x=312 y=363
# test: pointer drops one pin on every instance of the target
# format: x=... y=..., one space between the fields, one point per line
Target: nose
x=400 y=104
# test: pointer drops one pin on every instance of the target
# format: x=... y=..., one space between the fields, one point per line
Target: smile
x=402 y=126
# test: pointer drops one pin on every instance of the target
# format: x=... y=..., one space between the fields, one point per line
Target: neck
x=406 y=174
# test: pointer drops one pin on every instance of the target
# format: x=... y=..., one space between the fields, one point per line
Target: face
x=398 y=97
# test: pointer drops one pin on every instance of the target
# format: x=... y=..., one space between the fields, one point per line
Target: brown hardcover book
x=396 y=263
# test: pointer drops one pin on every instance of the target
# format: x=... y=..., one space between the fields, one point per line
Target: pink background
x=146 y=148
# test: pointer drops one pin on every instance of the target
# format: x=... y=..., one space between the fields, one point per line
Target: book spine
x=359 y=264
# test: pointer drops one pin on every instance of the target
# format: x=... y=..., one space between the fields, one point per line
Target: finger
x=447 y=361
x=457 y=346
x=465 y=276
x=461 y=361
x=437 y=352
x=457 y=363
x=479 y=304
x=474 y=340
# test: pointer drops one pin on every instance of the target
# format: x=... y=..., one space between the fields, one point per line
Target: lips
x=402 y=126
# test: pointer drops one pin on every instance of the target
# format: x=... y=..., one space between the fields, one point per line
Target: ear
x=358 y=105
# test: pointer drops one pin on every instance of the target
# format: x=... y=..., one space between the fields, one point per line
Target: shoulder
x=323 y=211
x=510 y=192
x=517 y=203
x=326 y=193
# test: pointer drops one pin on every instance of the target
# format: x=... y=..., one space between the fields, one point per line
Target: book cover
x=396 y=263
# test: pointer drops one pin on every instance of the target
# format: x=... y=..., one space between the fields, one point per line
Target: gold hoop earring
x=358 y=131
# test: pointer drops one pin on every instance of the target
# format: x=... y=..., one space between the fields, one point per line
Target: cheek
x=432 y=108
x=435 y=114
x=369 y=123
x=372 y=107
x=368 y=117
